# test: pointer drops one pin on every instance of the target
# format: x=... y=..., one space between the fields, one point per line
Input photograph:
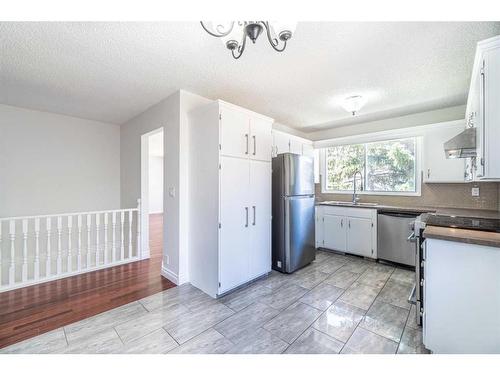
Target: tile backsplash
x=433 y=195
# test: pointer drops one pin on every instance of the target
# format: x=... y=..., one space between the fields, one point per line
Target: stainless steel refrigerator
x=293 y=212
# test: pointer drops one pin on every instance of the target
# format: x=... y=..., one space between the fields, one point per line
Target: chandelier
x=234 y=34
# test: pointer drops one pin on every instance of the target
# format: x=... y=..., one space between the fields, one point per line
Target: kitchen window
x=387 y=167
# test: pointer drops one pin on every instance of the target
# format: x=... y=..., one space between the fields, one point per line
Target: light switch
x=171 y=191
x=475 y=192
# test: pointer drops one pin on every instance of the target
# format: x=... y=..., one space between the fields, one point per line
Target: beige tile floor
x=337 y=304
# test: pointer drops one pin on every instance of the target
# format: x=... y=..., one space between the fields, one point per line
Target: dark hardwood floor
x=37 y=309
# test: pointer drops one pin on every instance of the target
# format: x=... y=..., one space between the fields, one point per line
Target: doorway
x=152 y=169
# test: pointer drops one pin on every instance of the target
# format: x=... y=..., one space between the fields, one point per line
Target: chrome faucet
x=355 y=197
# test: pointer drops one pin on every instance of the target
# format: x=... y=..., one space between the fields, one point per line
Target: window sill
x=368 y=193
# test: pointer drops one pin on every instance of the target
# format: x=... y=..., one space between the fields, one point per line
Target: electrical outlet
x=171 y=191
x=279 y=264
x=475 y=192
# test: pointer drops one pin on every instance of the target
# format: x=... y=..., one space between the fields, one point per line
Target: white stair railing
x=37 y=249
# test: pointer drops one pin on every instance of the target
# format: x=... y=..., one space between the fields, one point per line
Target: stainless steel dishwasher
x=395 y=237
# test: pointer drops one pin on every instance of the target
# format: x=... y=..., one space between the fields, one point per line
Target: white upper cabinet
x=245 y=134
x=235 y=132
x=307 y=149
x=436 y=167
x=281 y=143
x=284 y=142
x=483 y=110
x=296 y=145
x=260 y=139
x=491 y=115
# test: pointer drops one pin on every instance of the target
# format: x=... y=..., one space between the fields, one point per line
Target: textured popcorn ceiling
x=113 y=71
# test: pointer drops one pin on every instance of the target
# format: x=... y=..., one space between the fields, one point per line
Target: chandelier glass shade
x=234 y=34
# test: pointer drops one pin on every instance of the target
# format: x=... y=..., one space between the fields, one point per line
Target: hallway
x=31 y=311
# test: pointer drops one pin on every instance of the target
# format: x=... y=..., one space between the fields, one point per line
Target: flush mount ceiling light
x=234 y=34
x=353 y=103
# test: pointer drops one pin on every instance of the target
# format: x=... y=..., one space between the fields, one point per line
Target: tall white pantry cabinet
x=229 y=197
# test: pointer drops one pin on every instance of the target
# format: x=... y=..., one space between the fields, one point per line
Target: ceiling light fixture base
x=278 y=34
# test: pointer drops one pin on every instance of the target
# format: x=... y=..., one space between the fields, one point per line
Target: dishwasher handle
x=400 y=214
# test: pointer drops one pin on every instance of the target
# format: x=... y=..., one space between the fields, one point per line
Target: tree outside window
x=387 y=166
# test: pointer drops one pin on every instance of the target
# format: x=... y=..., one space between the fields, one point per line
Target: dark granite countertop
x=474 y=237
x=464 y=212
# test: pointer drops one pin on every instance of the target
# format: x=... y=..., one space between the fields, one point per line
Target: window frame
x=418 y=172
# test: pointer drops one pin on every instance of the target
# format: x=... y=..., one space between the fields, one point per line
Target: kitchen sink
x=359 y=204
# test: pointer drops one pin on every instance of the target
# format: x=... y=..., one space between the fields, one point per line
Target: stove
x=473 y=223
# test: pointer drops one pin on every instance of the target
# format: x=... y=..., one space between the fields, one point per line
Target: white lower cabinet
x=351 y=230
x=245 y=217
x=461 y=298
x=334 y=233
x=360 y=236
x=259 y=219
x=234 y=233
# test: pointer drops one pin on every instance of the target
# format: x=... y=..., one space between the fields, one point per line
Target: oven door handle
x=412 y=237
x=412 y=298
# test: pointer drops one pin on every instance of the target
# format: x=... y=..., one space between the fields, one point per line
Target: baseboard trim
x=145 y=254
x=169 y=275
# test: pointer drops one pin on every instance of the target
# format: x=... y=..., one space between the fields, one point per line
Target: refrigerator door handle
x=246 y=215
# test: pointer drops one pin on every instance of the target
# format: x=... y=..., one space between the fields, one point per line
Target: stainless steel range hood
x=462 y=145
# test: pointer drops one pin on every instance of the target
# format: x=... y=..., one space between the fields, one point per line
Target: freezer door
x=299 y=232
x=298 y=174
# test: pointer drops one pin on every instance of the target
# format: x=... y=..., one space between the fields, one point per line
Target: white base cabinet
x=461 y=298
x=229 y=197
x=346 y=229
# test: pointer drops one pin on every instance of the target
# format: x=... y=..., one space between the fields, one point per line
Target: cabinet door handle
x=246 y=214
x=342 y=223
x=428 y=173
x=482 y=103
x=254 y=144
x=246 y=140
x=254 y=214
x=349 y=223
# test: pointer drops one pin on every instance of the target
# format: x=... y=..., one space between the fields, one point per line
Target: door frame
x=145 y=251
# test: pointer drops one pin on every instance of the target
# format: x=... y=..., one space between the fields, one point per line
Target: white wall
x=50 y=163
x=288 y=129
x=188 y=102
x=416 y=119
x=155 y=184
x=171 y=114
